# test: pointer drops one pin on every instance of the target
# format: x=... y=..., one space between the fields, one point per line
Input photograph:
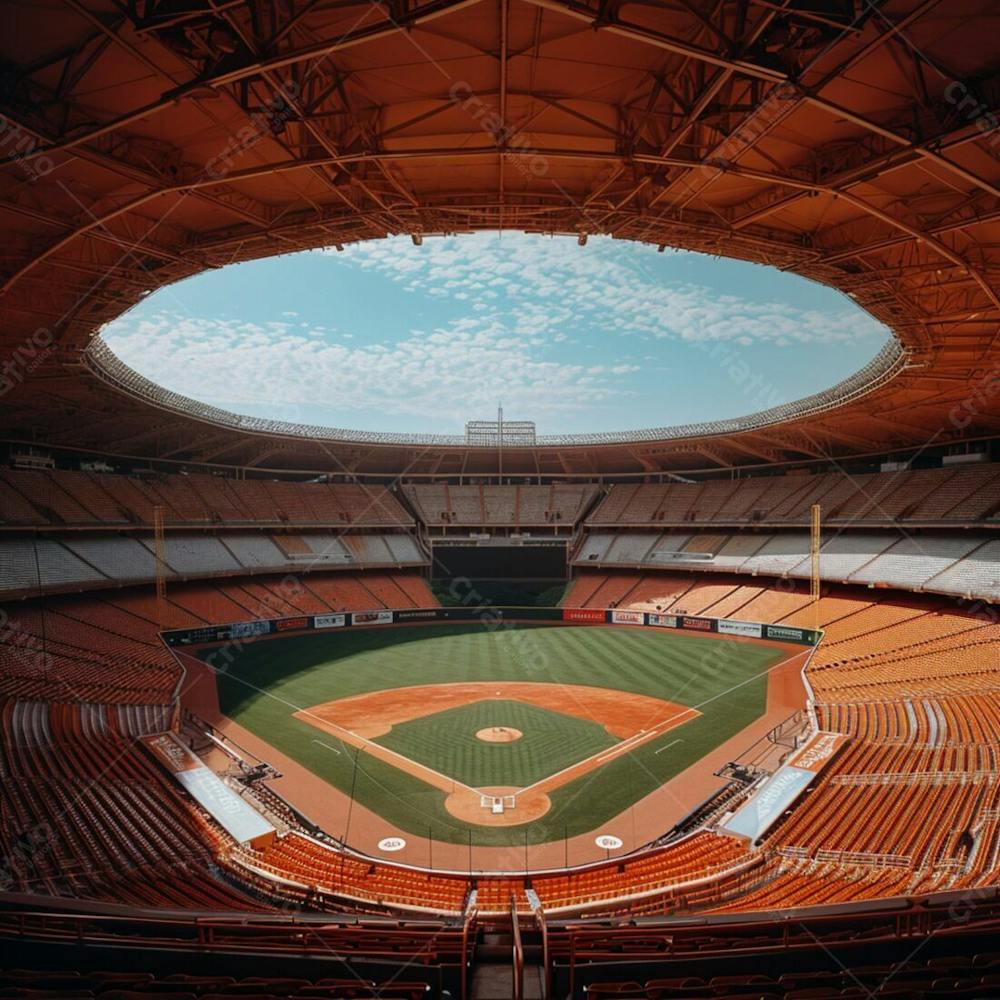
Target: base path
x=633 y=718
x=328 y=806
x=374 y=714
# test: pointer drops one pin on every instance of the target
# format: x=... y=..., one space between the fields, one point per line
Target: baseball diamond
x=396 y=719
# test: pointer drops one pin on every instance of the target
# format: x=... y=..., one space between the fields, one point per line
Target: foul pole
x=500 y=443
x=815 y=538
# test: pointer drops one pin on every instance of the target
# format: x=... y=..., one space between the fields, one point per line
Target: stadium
x=691 y=711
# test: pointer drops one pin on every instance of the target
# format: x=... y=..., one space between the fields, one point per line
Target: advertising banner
x=329 y=621
x=628 y=617
x=583 y=614
x=786 y=633
x=371 y=618
x=662 y=621
x=246 y=630
x=757 y=814
x=752 y=629
x=290 y=624
x=818 y=752
x=405 y=616
x=194 y=636
x=698 y=624
x=780 y=790
x=490 y=616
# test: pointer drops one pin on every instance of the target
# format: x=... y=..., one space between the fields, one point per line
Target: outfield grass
x=270 y=680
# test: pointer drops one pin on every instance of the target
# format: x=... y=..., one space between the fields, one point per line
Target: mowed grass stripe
x=591 y=652
x=447 y=742
x=630 y=668
x=310 y=670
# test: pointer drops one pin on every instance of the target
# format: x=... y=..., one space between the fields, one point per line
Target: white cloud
x=610 y=281
x=502 y=319
x=441 y=376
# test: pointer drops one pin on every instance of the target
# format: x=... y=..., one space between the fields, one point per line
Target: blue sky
x=389 y=336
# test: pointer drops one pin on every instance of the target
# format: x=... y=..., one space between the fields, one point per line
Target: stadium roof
x=853 y=143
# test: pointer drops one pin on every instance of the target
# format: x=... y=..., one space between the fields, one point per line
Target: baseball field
x=516 y=735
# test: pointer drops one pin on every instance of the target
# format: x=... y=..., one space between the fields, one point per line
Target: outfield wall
x=491 y=618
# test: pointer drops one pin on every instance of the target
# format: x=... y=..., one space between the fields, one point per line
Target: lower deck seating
x=88 y=813
x=670 y=877
x=911 y=804
x=703 y=856
x=914 y=802
x=321 y=868
x=794 y=882
x=104 y=647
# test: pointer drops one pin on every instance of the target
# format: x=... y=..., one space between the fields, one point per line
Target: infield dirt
x=633 y=718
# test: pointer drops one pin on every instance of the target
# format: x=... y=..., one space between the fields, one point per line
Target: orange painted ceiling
x=850 y=141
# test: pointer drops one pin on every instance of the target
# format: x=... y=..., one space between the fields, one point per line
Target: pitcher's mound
x=499 y=734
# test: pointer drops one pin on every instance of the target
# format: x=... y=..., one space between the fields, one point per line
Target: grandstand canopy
x=853 y=143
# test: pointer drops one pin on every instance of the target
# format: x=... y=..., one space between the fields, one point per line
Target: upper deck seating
x=59 y=497
x=950 y=494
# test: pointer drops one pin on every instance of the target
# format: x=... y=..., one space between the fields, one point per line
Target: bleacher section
x=921 y=745
x=953 y=494
x=104 y=648
x=911 y=805
x=82 y=499
x=513 y=506
x=91 y=560
x=964 y=565
x=113 y=826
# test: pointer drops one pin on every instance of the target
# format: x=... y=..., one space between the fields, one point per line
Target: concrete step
x=494 y=981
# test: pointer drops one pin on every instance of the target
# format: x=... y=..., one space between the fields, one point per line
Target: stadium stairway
x=500 y=974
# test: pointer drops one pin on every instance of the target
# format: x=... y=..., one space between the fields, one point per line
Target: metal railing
x=517 y=952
